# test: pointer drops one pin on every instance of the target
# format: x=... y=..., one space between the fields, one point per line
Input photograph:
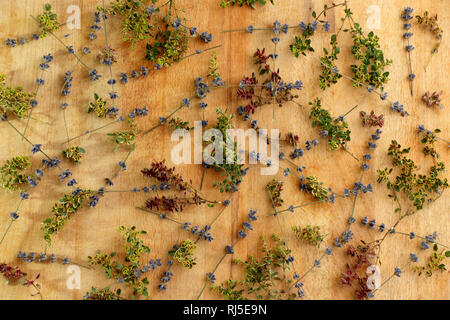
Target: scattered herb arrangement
x=159 y=28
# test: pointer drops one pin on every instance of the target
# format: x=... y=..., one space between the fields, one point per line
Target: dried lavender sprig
x=226 y=204
x=160 y=215
x=423 y=238
x=354 y=200
x=216 y=267
x=274 y=70
x=66 y=127
x=407 y=35
x=171 y=20
x=52 y=258
x=67 y=47
x=185 y=103
x=107 y=45
x=122 y=164
x=316 y=265
x=229 y=249
x=35 y=96
x=289 y=27
x=185 y=225
x=291 y=261
x=12 y=221
x=396 y=273
x=92 y=131
x=411 y=235
x=165 y=119
x=26 y=139
x=197 y=52
x=291 y=208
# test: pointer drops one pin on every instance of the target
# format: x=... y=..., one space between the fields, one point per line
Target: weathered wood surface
x=94 y=229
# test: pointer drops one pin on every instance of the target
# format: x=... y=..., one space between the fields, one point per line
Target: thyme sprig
x=184 y=254
x=64 y=210
x=169 y=47
x=130 y=271
x=418 y=189
x=105 y=294
x=309 y=234
x=232 y=171
x=436 y=262
x=48 y=21
x=313 y=186
x=335 y=130
x=431 y=22
x=372 y=63
x=265 y=278
x=74 y=154
x=274 y=188
x=15 y=102
x=14 y=173
x=99 y=107
x=125 y=137
x=241 y=3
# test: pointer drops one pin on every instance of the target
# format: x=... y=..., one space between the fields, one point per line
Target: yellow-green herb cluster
x=125 y=137
x=312 y=185
x=417 y=189
x=63 y=211
x=241 y=3
x=48 y=21
x=13 y=101
x=74 y=154
x=13 y=173
x=436 y=262
x=169 y=46
x=98 y=107
x=184 y=253
x=309 y=234
x=335 y=130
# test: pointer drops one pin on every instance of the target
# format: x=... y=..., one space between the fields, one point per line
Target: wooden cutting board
x=162 y=91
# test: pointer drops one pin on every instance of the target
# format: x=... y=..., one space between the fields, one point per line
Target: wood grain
x=162 y=91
